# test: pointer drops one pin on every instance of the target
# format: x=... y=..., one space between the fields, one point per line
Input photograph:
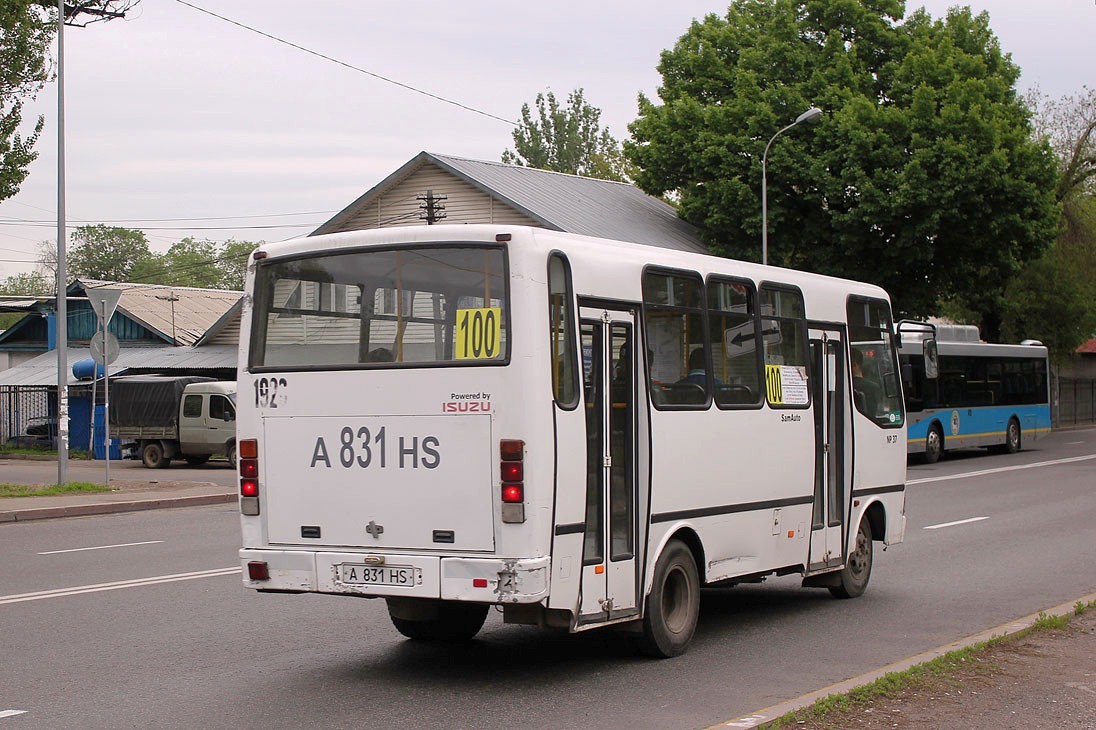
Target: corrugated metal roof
x=561 y=202
x=179 y=313
x=42 y=370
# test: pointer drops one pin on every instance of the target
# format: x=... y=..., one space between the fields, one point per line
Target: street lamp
x=811 y=115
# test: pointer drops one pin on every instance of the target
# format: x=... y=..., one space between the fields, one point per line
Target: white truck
x=160 y=418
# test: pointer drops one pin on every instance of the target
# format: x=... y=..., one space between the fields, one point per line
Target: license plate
x=378 y=575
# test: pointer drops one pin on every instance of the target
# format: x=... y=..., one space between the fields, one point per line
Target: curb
x=763 y=718
x=102 y=508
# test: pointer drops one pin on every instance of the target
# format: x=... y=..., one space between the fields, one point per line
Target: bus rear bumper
x=482 y=580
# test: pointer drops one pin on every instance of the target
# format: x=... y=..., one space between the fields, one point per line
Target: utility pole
x=431 y=204
x=104 y=10
x=171 y=298
x=61 y=328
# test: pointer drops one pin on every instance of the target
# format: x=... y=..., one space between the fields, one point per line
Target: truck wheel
x=197 y=460
x=231 y=453
x=152 y=456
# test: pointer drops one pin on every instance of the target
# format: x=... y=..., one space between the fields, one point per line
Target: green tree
x=109 y=253
x=25 y=35
x=27 y=28
x=202 y=263
x=1053 y=298
x=34 y=284
x=922 y=176
x=233 y=263
x=567 y=139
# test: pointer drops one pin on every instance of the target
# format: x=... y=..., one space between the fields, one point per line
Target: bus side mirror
x=932 y=370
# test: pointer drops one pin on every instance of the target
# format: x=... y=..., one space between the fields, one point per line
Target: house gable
x=474 y=191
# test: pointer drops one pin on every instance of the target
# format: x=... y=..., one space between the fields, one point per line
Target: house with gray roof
x=160 y=329
x=473 y=191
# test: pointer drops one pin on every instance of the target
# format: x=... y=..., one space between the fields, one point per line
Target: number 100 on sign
x=478 y=333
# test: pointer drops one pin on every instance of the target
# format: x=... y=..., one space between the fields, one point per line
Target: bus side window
x=674 y=330
x=561 y=333
x=784 y=339
x=733 y=333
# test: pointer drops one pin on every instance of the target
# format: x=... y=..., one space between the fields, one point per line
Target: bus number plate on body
x=378 y=575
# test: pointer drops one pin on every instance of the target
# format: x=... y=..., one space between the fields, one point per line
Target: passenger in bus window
x=380 y=354
x=698 y=369
x=865 y=391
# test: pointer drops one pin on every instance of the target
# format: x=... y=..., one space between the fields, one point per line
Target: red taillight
x=258 y=570
x=511 y=454
x=511 y=449
x=248 y=463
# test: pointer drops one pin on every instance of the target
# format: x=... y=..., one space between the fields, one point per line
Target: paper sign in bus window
x=479 y=333
x=786 y=385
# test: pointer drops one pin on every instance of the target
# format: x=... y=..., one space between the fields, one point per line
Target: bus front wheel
x=857 y=570
x=673 y=604
x=934 y=444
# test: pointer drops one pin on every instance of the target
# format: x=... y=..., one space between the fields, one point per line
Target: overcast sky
x=173 y=115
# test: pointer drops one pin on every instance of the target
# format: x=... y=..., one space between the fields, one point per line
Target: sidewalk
x=128 y=496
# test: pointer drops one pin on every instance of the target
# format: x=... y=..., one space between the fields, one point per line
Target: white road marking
x=137 y=583
x=11 y=713
x=953 y=524
x=101 y=547
x=1073 y=443
x=1036 y=465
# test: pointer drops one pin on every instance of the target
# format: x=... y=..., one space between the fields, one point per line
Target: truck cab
x=207 y=422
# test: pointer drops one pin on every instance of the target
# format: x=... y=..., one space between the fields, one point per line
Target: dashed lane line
x=953 y=524
x=102 y=547
x=999 y=470
x=117 y=585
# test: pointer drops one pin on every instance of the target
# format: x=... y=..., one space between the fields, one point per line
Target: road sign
x=104 y=302
x=104 y=347
x=741 y=340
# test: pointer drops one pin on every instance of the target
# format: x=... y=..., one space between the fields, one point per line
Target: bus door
x=832 y=448
x=609 y=585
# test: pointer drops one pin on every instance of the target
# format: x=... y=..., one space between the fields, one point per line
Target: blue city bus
x=963 y=393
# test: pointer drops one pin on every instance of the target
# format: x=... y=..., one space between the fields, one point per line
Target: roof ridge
x=438 y=155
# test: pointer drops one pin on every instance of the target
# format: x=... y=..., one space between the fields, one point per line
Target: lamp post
x=811 y=115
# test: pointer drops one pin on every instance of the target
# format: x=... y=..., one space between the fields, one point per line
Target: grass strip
x=50 y=490
x=930 y=673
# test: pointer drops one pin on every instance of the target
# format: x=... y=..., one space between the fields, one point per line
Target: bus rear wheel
x=934 y=444
x=451 y=621
x=857 y=570
x=1012 y=436
x=673 y=604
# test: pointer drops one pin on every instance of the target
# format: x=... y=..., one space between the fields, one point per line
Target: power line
x=349 y=66
x=31 y=224
x=165 y=220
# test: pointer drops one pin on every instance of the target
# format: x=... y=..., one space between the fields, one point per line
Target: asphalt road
x=138 y=635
